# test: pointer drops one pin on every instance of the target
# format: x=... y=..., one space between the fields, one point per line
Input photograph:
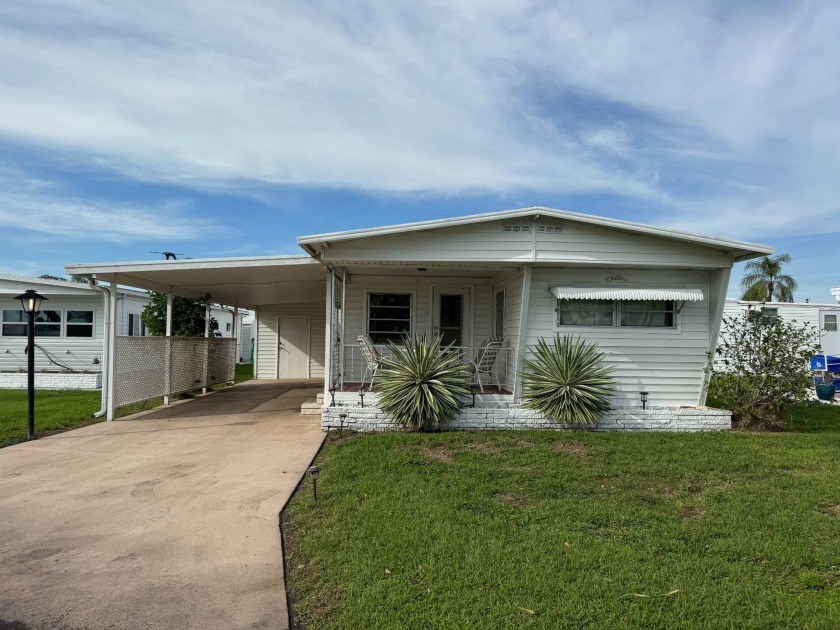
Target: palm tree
x=763 y=280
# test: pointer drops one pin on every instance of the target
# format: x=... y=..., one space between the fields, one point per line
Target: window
x=628 y=314
x=389 y=316
x=830 y=323
x=499 y=317
x=585 y=313
x=47 y=324
x=142 y=328
x=649 y=313
x=131 y=319
x=79 y=324
x=767 y=315
x=227 y=327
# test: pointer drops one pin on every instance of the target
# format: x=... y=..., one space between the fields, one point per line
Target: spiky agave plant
x=419 y=385
x=568 y=380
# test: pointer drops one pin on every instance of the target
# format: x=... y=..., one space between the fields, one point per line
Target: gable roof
x=741 y=250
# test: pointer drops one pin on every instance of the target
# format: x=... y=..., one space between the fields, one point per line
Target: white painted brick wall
x=52 y=380
x=484 y=418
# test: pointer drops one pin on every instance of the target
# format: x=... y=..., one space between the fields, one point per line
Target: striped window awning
x=627 y=293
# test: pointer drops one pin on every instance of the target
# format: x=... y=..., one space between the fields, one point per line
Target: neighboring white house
x=651 y=297
x=69 y=331
x=823 y=317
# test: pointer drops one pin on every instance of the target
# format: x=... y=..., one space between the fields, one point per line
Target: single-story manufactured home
x=823 y=317
x=651 y=297
x=70 y=331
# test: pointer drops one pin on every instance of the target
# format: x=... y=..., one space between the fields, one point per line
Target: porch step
x=311 y=407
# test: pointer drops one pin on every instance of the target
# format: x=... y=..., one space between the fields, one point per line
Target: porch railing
x=355 y=366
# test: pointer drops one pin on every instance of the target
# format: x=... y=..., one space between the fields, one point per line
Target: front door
x=451 y=315
x=293 y=346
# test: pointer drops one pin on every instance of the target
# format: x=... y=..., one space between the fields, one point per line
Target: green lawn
x=57 y=411
x=572 y=530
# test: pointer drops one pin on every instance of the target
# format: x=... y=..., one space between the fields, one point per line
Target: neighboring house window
x=47 y=324
x=766 y=315
x=131 y=317
x=499 y=324
x=227 y=327
x=830 y=323
x=80 y=323
x=607 y=313
x=142 y=328
x=389 y=316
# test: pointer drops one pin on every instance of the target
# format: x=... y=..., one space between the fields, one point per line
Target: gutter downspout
x=106 y=355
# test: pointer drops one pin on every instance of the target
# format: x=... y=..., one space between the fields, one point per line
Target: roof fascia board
x=85 y=269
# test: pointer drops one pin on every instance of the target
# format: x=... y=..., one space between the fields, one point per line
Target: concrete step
x=311 y=407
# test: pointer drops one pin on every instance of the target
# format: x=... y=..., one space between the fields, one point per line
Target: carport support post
x=112 y=351
x=167 y=375
x=206 y=347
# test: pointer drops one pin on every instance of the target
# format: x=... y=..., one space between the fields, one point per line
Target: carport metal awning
x=627 y=293
x=247 y=282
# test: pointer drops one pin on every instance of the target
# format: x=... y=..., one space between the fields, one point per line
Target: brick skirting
x=52 y=380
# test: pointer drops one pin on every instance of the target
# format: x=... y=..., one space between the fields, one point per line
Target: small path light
x=473 y=389
x=644 y=396
x=362 y=395
x=341 y=418
x=332 y=396
x=31 y=302
x=313 y=473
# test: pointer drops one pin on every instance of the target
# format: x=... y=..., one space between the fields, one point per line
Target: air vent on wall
x=524 y=227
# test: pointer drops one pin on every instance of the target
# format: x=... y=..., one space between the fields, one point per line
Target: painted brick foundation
x=513 y=417
x=52 y=380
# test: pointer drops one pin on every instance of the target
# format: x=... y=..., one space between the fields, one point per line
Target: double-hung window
x=47 y=323
x=830 y=323
x=80 y=323
x=389 y=317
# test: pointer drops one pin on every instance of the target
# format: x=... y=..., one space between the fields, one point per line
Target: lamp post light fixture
x=341 y=418
x=313 y=473
x=31 y=302
x=644 y=397
x=362 y=395
x=331 y=390
x=473 y=389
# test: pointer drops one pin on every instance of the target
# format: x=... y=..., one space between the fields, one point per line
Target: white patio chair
x=372 y=358
x=485 y=360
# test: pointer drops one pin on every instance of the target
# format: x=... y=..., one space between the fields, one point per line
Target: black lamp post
x=31 y=302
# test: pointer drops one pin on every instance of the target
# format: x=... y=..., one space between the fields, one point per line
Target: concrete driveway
x=169 y=520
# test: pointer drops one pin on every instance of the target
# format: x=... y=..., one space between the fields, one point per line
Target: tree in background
x=763 y=280
x=187 y=316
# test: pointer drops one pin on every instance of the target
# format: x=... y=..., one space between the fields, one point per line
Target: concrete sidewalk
x=168 y=521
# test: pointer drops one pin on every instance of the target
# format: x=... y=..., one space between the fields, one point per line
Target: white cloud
x=702 y=112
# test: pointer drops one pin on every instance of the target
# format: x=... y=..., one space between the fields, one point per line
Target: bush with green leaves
x=568 y=380
x=420 y=384
x=760 y=369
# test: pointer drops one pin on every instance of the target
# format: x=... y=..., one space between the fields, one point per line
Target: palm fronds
x=763 y=280
x=419 y=385
x=568 y=381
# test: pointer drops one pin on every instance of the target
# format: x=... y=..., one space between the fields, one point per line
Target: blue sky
x=227 y=129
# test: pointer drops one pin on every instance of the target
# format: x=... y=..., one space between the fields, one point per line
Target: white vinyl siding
x=667 y=362
x=560 y=242
x=266 y=332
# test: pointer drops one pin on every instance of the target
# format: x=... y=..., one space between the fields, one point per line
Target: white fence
x=149 y=367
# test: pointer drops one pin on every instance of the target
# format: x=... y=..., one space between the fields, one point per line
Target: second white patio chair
x=372 y=358
x=485 y=360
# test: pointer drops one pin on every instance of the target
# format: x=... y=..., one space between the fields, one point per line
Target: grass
x=572 y=530
x=57 y=411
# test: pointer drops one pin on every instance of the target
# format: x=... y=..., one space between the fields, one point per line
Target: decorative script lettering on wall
x=616 y=277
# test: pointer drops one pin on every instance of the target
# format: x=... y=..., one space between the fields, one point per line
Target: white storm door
x=451 y=315
x=293 y=346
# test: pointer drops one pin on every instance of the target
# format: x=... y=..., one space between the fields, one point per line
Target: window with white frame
x=47 y=323
x=613 y=313
x=830 y=323
x=80 y=323
x=389 y=317
x=499 y=314
x=132 y=318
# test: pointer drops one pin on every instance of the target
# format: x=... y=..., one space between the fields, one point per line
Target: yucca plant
x=568 y=381
x=420 y=384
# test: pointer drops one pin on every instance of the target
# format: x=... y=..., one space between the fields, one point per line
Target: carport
x=287 y=293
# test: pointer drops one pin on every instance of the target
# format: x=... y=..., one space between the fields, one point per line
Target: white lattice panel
x=138 y=369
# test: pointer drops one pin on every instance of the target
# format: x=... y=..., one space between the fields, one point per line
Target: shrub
x=420 y=384
x=760 y=369
x=568 y=381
